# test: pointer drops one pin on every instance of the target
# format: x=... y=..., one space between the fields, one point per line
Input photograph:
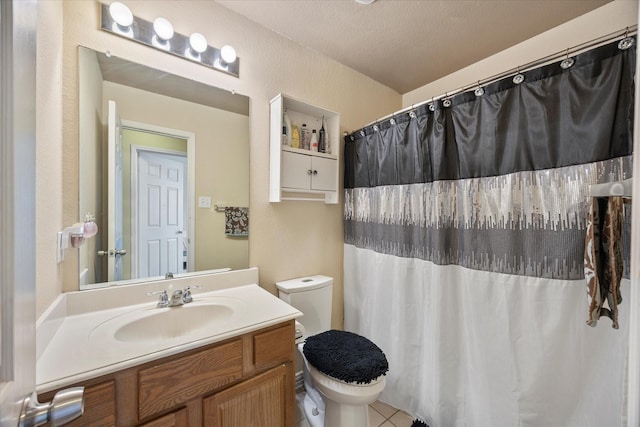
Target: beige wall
x=607 y=19
x=49 y=151
x=287 y=240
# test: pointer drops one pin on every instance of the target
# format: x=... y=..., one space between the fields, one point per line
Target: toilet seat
x=345 y=356
x=349 y=393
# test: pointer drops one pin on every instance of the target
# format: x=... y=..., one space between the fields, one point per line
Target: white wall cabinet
x=297 y=174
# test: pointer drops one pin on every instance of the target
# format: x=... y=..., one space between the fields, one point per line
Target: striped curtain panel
x=465 y=225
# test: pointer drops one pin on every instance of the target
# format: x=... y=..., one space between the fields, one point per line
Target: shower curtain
x=464 y=241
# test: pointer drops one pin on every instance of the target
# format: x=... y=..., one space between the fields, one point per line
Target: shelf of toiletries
x=304 y=151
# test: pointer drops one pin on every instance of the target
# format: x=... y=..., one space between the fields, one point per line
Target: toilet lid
x=345 y=356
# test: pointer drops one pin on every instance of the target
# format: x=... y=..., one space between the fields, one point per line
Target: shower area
x=466 y=220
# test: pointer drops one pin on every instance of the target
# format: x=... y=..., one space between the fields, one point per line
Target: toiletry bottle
x=295 y=137
x=322 y=139
x=314 y=140
x=283 y=136
x=287 y=123
x=305 y=137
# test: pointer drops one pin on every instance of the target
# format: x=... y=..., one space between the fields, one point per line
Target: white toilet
x=329 y=401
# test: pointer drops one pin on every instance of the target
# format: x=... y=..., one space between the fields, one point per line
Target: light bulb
x=198 y=42
x=121 y=14
x=228 y=54
x=163 y=28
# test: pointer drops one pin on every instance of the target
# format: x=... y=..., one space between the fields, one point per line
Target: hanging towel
x=603 y=258
x=236 y=221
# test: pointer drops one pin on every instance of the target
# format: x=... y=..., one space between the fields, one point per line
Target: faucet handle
x=186 y=296
x=163 y=301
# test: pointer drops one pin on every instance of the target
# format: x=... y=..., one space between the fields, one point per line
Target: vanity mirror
x=163 y=166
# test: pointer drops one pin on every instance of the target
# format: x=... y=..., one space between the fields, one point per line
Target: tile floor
x=381 y=415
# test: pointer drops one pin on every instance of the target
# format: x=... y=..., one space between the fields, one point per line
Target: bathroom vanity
x=236 y=371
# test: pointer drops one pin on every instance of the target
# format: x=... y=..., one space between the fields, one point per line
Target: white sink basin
x=151 y=324
x=164 y=323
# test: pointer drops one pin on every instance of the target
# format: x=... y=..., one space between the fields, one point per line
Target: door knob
x=66 y=406
x=120 y=252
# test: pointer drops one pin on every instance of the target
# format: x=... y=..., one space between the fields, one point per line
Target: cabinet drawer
x=169 y=384
x=274 y=346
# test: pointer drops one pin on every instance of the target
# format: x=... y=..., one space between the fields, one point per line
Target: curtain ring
x=627 y=41
x=432 y=105
x=479 y=90
x=518 y=78
x=446 y=102
x=412 y=114
x=392 y=121
x=352 y=138
x=362 y=133
x=376 y=128
x=567 y=62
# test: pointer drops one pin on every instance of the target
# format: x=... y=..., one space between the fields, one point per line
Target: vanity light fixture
x=159 y=34
x=121 y=14
x=163 y=29
x=228 y=54
x=198 y=42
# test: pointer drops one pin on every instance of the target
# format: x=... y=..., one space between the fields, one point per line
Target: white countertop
x=82 y=346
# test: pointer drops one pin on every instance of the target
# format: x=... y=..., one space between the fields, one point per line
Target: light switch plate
x=204 y=202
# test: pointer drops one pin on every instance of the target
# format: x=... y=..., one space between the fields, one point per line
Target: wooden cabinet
x=246 y=380
x=297 y=174
x=258 y=402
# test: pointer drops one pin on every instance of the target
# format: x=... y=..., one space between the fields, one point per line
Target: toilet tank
x=313 y=296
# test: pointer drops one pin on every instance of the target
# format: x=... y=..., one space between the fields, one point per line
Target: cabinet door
x=324 y=175
x=266 y=400
x=174 y=419
x=296 y=171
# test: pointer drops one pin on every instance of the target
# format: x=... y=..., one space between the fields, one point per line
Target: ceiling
x=405 y=44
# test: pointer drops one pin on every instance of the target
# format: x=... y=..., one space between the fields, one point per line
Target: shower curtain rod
x=628 y=31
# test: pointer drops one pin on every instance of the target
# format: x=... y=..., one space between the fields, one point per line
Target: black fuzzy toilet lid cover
x=345 y=356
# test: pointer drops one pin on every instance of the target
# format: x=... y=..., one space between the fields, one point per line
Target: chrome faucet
x=176 y=298
x=186 y=296
x=163 y=301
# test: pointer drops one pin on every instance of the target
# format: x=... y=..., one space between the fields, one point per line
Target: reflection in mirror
x=157 y=154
